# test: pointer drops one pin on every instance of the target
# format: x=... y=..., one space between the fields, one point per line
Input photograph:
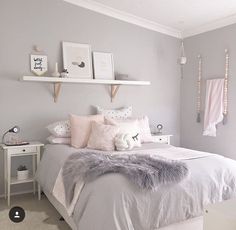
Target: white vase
x=22 y=175
x=56 y=73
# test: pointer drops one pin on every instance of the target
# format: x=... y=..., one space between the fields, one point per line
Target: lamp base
x=17 y=144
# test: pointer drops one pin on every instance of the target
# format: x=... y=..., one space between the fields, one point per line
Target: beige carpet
x=39 y=215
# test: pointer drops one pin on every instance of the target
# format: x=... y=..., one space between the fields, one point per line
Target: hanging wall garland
x=226 y=83
x=199 y=89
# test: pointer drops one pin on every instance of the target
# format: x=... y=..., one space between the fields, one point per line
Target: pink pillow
x=81 y=129
x=102 y=137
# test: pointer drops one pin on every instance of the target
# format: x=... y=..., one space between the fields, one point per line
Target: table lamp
x=15 y=129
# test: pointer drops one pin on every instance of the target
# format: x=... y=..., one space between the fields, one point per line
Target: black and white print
x=77 y=60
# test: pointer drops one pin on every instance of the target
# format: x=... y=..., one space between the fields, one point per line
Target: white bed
x=218 y=184
x=193 y=223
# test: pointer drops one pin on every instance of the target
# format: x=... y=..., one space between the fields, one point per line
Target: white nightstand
x=161 y=138
x=220 y=216
x=33 y=149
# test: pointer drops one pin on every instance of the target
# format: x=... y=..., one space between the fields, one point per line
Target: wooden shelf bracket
x=114 y=90
x=57 y=90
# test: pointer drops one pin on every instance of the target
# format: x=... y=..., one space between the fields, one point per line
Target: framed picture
x=103 y=66
x=38 y=64
x=77 y=60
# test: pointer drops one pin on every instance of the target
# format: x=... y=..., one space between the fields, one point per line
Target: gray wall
x=143 y=54
x=211 y=46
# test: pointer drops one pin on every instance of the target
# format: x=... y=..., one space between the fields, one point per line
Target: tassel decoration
x=226 y=87
x=199 y=89
x=198 y=118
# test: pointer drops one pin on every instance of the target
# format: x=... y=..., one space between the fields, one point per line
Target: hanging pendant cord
x=199 y=89
x=225 y=112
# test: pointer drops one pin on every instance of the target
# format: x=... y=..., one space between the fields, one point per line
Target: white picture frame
x=77 y=60
x=38 y=64
x=103 y=65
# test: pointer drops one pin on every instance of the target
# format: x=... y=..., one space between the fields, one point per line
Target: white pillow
x=145 y=132
x=122 y=113
x=59 y=140
x=130 y=127
x=102 y=137
x=60 y=129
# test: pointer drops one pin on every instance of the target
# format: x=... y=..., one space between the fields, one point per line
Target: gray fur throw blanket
x=146 y=171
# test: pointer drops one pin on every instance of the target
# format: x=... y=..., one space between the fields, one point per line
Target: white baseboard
x=18 y=193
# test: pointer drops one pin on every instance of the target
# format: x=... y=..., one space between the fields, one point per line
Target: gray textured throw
x=146 y=171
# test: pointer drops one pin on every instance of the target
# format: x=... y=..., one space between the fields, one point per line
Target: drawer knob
x=160 y=139
x=23 y=150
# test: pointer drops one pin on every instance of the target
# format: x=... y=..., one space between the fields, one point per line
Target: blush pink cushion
x=102 y=137
x=81 y=129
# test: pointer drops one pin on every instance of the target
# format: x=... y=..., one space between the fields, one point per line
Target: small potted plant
x=22 y=173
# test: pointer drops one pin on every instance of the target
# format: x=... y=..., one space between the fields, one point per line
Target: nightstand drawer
x=23 y=149
x=161 y=139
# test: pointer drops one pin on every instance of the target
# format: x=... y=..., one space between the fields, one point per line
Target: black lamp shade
x=15 y=129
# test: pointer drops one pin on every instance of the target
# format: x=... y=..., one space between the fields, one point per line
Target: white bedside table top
x=162 y=134
x=31 y=144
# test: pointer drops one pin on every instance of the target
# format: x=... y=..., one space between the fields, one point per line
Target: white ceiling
x=179 y=18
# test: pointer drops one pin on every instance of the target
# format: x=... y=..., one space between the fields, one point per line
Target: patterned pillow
x=122 y=113
x=60 y=129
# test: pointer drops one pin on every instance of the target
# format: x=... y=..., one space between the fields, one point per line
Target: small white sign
x=39 y=64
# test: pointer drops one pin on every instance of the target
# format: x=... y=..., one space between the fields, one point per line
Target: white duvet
x=170 y=152
x=113 y=202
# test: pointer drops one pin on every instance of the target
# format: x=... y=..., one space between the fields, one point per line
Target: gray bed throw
x=145 y=171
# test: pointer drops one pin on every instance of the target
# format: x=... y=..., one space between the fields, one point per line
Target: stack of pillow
x=108 y=130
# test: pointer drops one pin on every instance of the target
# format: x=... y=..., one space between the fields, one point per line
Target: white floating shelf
x=83 y=81
x=58 y=81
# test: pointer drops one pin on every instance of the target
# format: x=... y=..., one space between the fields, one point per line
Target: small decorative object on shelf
x=64 y=73
x=159 y=128
x=124 y=77
x=22 y=173
x=56 y=73
x=39 y=64
x=38 y=61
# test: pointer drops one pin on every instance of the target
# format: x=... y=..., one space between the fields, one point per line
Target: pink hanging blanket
x=214 y=106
